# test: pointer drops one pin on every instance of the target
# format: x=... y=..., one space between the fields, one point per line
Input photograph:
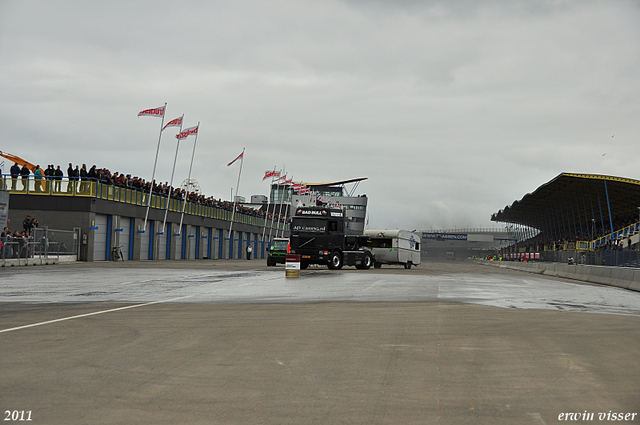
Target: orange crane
x=18 y=160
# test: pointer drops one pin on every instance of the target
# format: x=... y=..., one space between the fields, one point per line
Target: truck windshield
x=279 y=245
x=309 y=225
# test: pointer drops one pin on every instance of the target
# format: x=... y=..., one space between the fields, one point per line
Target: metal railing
x=99 y=190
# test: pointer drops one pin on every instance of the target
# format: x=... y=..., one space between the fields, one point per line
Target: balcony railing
x=99 y=190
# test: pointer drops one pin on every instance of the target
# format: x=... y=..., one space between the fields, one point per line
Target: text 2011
x=17 y=415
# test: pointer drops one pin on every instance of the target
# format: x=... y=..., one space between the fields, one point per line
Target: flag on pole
x=153 y=112
x=187 y=132
x=237 y=158
x=268 y=174
x=174 y=123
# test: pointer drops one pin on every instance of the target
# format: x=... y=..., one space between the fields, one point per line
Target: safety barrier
x=619 y=277
x=29 y=253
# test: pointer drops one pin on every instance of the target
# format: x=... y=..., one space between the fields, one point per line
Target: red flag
x=174 y=123
x=154 y=112
x=237 y=158
x=187 y=132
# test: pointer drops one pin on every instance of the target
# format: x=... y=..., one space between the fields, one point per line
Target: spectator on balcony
x=37 y=176
x=24 y=173
x=92 y=174
x=15 y=172
x=70 y=178
x=57 y=175
x=83 y=178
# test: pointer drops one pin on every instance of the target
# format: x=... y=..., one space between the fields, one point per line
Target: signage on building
x=4 y=208
x=445 y=236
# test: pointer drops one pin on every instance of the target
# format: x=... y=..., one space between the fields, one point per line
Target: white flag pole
x=234 y=200
x=285 y=192
x=186 y=196
x=264 y=229
x=153 y=173
x=173 y=170
x=274 y=206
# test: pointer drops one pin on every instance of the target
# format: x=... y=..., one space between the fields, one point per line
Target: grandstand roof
x=335 y=183
x=576 y=198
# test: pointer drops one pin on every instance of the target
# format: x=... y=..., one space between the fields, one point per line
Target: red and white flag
x=268 y=174
x=187 y=132
x=174 y=123
x=237 y=158
x=154 y=112
x=290 y=181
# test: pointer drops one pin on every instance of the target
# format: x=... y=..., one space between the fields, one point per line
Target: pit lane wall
x=619 y=277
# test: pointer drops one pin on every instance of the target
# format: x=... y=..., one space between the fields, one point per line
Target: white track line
x=91 y=314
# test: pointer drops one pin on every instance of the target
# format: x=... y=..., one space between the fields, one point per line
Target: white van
x=394 y=247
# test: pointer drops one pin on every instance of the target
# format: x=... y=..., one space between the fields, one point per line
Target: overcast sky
x=451 y=109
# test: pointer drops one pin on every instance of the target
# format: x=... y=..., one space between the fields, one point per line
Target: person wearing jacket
x=15 y=172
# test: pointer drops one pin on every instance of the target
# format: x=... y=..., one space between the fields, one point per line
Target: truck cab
x=318 y=236
x=277 y=253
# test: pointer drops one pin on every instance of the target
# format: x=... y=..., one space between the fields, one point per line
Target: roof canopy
x=338 y=183
x=572 y=200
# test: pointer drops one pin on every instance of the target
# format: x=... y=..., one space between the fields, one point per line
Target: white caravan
x=394 y=247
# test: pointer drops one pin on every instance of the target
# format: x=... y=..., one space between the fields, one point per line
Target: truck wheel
x=269 y=263
x=335 y=261
x=367 y=261
x=304 y=265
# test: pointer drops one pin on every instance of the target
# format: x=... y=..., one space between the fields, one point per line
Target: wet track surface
x=146 y=283
x=235 y=342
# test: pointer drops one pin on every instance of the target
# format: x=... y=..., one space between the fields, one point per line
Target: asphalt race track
x=235 y=342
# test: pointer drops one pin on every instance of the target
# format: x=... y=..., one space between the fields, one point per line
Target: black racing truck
x=318 y=236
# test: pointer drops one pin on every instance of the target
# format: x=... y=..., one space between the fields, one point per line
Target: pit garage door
x=193 y=241
x=125 y=236
x=145 y=239
x=162 y=241
x=100 y=237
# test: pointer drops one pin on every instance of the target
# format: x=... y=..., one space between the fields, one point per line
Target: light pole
x=638 y=244
x=593 y=221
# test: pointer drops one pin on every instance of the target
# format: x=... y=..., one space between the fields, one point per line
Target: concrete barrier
x=619 y=277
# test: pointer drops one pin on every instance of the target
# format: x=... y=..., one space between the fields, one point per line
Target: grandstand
x=591 y=218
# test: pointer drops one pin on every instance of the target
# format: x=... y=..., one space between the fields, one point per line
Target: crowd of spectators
x=82 y=176
x=15 y=244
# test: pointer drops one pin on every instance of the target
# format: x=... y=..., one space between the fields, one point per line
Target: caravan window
x=381 y=243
